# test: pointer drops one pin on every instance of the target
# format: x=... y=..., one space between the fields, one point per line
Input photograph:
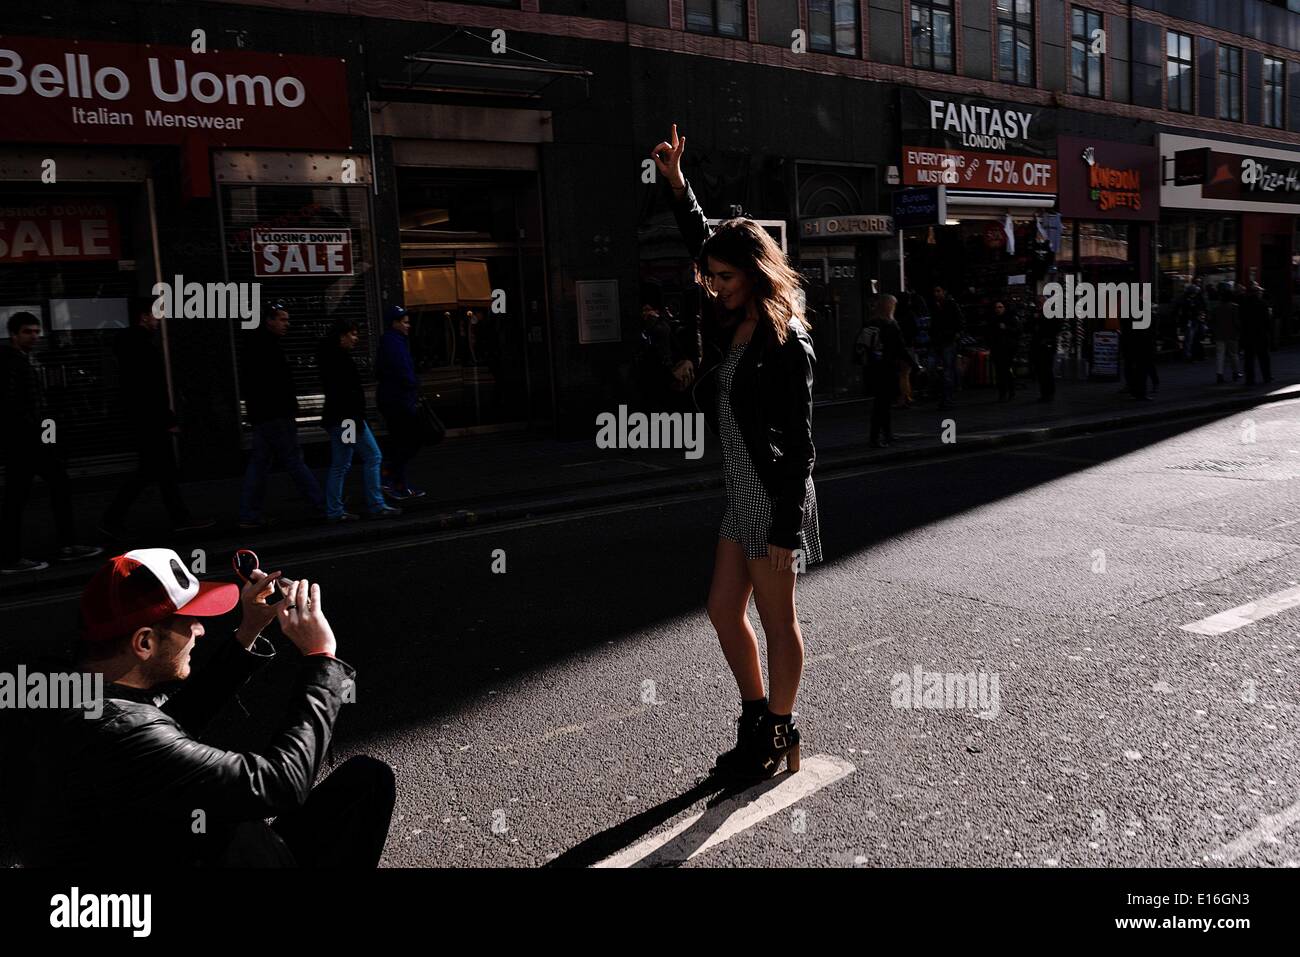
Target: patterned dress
x=749 y=507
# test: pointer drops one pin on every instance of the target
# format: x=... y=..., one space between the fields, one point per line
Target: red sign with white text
x=71 y=91
x=59 y=230
x=302 y=252
x=963 y=169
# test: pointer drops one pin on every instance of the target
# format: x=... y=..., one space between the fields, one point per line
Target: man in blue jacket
x=398 y=396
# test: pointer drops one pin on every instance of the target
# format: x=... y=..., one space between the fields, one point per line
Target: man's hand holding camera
x=257 y=614
x=303 y=620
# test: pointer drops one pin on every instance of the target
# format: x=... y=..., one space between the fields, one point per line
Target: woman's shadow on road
x=725 y=801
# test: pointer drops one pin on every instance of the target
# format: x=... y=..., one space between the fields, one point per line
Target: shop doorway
x=834 y=284
x=473 y=276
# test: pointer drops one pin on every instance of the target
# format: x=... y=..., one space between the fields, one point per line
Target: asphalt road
x=517 y=710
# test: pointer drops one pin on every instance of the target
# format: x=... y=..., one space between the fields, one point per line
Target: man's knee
x=371 y=774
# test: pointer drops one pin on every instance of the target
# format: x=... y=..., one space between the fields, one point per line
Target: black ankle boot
x=751 y=712
x=775 y=739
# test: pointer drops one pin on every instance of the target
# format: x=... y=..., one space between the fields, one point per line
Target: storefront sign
x=839 y=227
x=598 y=319
x=59 y=230
x=59 y=90
x=1191 y=166
x=923 y=206
x=302 y=252
x=1101 y=179
x=1242 y=176
x=1236 y=177
x=971 y=143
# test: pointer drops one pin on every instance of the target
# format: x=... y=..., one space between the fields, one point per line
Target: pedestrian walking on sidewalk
x=758 y=399
x=946 y=325
x=151 y=423
x=398 y=398
x=1005 y=341
x=879 y=350
x=910 y=312
x=272 y=402
x=1256 y=333
x=25 y=454
x=1226 y=326
x=344 y=418
x=1044 y=332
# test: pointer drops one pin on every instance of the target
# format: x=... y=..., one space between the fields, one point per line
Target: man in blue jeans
x=272 y=403
x=345 y=420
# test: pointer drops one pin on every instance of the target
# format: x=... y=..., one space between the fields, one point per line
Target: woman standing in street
x=756 y=392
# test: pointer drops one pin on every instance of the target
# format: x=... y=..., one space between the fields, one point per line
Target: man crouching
x=135 y=786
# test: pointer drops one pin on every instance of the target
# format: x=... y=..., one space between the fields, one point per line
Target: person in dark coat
x=1044 y=332
x=879 y=348
x=654 y=360
x=1256 y=319
x=947 y=323
x=344 y=418
x=151 y=422
x=398 y=398
x=272 y=403
x=25 y=455
x=1005 y=340
x=754 y=376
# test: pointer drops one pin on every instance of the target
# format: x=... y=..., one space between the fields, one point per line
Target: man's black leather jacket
x=771 y=393
x=135 y=786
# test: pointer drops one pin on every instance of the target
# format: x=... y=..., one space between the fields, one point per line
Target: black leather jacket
x=124 y=788
x=771 y=393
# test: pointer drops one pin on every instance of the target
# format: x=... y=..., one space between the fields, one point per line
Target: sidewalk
x=504 y=476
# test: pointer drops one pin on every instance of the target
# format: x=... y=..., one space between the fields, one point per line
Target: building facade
x=486 y=164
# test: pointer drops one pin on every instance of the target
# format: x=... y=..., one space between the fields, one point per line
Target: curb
x=631 y=488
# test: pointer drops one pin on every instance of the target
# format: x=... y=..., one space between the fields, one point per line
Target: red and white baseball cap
x=145 y=586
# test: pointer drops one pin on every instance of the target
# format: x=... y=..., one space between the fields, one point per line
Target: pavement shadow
x=718 y=809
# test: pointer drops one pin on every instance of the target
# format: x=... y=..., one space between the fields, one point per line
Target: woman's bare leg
x=728 y=601
x=774 y=597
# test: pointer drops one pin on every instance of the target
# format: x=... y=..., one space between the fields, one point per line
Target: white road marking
x=1246 y=614
x=1268 y=830
x=682 y=841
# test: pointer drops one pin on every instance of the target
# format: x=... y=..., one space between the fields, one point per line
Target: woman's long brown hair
x=747 y=246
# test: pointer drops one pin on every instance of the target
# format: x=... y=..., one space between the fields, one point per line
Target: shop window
x=726 y=18
x=1274 y=92
x=1016 y=42
x=1201 y=249
x=932 y=35
x=1178 y=71
x=73 y=258
x=833 y=26
x=1229 y=83
x=1086 y=67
